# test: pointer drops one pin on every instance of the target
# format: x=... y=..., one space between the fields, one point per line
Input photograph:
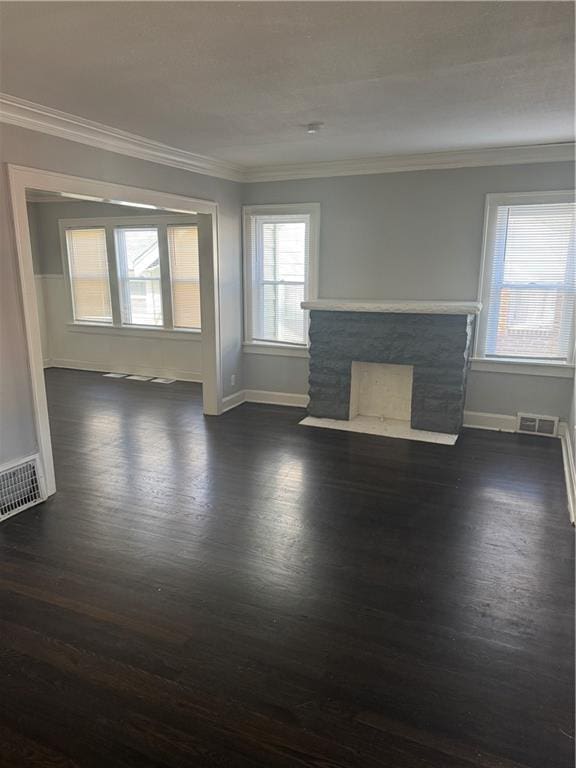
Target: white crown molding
x=36 y=117
x=536 y=153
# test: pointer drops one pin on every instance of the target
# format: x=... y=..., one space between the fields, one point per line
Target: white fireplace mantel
x=406 y=307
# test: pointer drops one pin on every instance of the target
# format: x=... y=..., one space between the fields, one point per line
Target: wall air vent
x=21 y=486
x=530 y=423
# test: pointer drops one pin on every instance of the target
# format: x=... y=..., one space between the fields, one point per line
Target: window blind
x=532 y=283
x=280 y=269
x=88 y=269
x=185 y=276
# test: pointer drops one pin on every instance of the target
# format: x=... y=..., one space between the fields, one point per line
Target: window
x=528 y=288
x=281 y=246
x=129 y=273
x=139 y=276
x=88 y=270
x=185 y=275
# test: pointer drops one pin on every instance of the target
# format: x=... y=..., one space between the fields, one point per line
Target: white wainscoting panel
x=70 y=347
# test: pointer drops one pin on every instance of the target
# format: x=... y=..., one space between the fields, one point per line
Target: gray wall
x=34 y=238
x=414 y=235
x=17 y=433
x=410 y=236
x=509 y=393
x=36 y=150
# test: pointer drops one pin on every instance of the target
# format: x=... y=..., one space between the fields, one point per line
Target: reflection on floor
x=241 y=591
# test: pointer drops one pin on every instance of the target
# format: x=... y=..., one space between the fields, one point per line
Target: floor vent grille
x=20 y=487
x=533 y=424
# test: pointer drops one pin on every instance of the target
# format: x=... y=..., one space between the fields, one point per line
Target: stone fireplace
x=390 y=368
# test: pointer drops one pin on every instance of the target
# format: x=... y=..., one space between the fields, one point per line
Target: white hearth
x=369 y=425
x=381 y=404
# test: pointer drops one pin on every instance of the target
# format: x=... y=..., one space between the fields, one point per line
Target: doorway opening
x=119 y=281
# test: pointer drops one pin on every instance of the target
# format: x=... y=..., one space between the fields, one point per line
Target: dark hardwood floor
x=242 y=591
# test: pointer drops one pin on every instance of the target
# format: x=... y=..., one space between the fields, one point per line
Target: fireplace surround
x=432 y=338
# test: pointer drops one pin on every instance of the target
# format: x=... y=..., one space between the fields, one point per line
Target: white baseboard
x=503 y=423
x=231 y=401
x=139 y=370
x=498 y=422
x=569 y=470
x=264 y=396
x=275 y=398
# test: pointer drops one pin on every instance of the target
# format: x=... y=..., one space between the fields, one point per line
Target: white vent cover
x=534 y=424
x=21 y=486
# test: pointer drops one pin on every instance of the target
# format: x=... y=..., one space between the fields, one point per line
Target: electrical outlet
x=233 y=379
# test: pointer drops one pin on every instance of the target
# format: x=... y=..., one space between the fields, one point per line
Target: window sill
x=533 y=368
x=270 y=348
x=146 y=332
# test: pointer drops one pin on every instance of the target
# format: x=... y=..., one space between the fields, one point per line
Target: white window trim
x=553 y=370
x=116 y=327
x=511 y=365
x=312 y=210
x=275 y=348
x=135 y=331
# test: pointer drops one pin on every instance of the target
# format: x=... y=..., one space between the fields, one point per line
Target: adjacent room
x=117 y=286
x=287 y=392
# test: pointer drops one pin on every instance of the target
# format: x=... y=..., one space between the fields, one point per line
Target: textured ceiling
x=238 y=80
